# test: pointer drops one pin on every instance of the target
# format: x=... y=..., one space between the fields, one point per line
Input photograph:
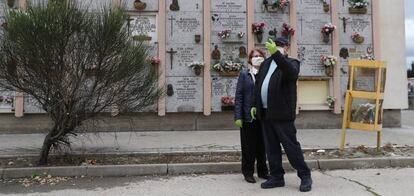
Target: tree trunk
x=44 y=154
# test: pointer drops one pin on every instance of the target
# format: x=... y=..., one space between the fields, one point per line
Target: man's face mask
x=257 y=61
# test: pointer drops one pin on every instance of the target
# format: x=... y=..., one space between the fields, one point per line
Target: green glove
x=271 y=47
x=239 y=123
x=253 y=112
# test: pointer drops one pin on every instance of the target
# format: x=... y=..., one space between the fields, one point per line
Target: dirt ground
x=67 y=159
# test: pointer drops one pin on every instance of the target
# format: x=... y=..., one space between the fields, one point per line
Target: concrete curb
x=197 y=168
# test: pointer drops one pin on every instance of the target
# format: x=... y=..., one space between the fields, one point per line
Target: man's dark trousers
x=283 y=132
x=253 y=149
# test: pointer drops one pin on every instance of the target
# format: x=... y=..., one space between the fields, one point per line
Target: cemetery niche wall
x=192 y=42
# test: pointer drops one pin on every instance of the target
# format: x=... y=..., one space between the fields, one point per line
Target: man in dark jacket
x=275 y=106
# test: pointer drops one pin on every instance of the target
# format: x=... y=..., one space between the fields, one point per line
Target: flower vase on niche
x=170 y=90
x=258 y=30
x=139 y=5
x=197 y=38
x=329 y=71
x=326 y=31
x=259 y=37
x=197 y=71
x=329 y=63
x=326 y=37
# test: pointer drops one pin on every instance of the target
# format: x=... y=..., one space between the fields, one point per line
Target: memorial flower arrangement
x=367 y=57
x=241 y=34
x=357 y=37
x=330 y=100
x=364 y=113
x=328 y=29
x=358 y=3
x=280 y=4
x=6 y=99
x=228 y=66
x=287 y=31
x=227 y=101
x=196 y=66
x=258 y=28
x=328 y=61
x=224 y=34
x=155 y=60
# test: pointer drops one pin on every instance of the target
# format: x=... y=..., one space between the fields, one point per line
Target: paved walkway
x=385 y=182
x=190 y=141
x=200 y=141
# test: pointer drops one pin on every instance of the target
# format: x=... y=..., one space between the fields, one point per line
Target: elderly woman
x=252 y=144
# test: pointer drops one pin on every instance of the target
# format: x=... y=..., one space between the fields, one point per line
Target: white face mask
x=256 y=61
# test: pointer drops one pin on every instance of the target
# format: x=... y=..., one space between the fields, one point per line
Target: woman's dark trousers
x=253 y=149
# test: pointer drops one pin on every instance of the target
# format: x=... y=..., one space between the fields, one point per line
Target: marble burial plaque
x=183 y=55
x=6 y=101
x=95 y=5
x=236 y=22
x=227 y=6
x=309 y=28
x=272 y=22
x=343 y=7
x=186 y=5
x=222 y=87
x=152 y=5
x=358 y=23
x=183 y=26
x=309 y=56
x=312 y=7
x=187 y=95
x=36 y=2
x=31 y=105
x=144 y=25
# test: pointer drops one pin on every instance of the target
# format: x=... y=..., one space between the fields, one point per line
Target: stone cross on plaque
x=172 y=24
x=171 y=52
x=301 y=25
x=129 y=19
x=344 y=22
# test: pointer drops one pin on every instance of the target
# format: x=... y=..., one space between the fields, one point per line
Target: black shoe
x=265 y=176
x=250 y=179
x=273 y=183
x=306 y=184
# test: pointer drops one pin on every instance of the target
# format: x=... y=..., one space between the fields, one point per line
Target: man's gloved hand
x=239 y=123
x=271 y=47
x=253 y=112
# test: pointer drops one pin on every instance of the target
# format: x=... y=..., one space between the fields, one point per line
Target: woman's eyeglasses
x=255 y=56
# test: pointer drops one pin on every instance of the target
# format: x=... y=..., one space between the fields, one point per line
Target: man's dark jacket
x=244 y=97
x=282 y=96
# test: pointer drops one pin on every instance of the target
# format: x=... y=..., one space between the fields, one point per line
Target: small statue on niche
x=174 y=6
x=344 y=53
x=216 y=54
x=242 y=52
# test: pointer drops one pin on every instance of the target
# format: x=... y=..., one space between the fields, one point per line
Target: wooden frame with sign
x=374 y=124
